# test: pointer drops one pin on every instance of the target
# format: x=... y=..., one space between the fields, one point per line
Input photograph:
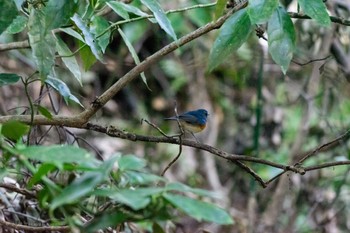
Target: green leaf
x=186 y=189
x=58 y=154
x=58 y=12
x=132 y=198
x=70 y=62
x=119 y=9
x=130 y=162
x=156 y=228
x=160 y=16
x=133 y=54
x=42 y=42
x=17 y=25
x=199 y=210
x=43 y=170
x=77 y=189
x=105 y=220
x=140 y=178
x=72 y=33
x=260 y=11
x=87 y=57
x=8 y=13
x=219 y=8
x=128 y=8
x=83 y=185
x=8 y=78
x=14 y=130
x=199 y=16
x=317 y=10
x=44 y=111
x=90 y=39
x=98 y=26
x=281 y=38
x=63 y=89
x=233 y=33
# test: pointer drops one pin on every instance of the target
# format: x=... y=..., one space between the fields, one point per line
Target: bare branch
x=33 y=229
x=22 y=191
x=82 y=118
x=334 y=19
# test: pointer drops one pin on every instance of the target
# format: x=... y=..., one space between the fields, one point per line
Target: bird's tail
x=170 y=118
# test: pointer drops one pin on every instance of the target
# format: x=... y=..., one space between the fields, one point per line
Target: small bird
x=192 y=121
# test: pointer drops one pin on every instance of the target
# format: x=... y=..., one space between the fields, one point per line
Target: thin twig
x=324 y=146
x=316 y=151
x=334 y=19
x=311 y=61
x=22 y=191
x=25 y=228
x=157 y=128
x=175 y=159
x=82 y=118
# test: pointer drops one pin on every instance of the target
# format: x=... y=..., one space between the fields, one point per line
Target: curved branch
x=114 y=132
x=137 y=70
x=82 y=118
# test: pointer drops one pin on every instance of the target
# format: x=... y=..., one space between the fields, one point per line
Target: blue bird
x=192 y=121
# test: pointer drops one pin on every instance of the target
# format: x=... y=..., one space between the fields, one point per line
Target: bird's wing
x=188 y=118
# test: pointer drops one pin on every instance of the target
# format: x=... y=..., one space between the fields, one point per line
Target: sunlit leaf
x=281 y=38
x=57 y=154
x=8 y=78
x=141 y=178
x=260 y=11
x=14 y=130
x=98 y=26
x=130 y=162
x=160 y=16
x=63 y=89
x=89 y=37
x=42 y=42
x=131 y=198
x=129 y=8
x=119 y=9
x=233 y=33
x=199 y=210
x=68 y=59
x=317 y=10
x=17 y=25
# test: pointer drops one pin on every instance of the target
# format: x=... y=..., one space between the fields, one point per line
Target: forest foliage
x=273 y=77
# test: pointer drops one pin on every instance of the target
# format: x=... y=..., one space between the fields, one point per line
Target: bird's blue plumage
x=192 y=121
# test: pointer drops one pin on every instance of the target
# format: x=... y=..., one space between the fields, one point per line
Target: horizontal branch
x=334 y=19
x=114 y=132
x=297 y=168
x=25 y=228
x=82 y=118
x=22 y=191
x=15 y=45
